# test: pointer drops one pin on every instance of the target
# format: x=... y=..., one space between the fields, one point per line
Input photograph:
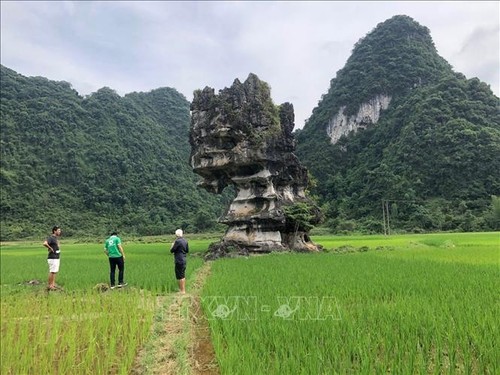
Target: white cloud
x=297 y=47
x=477 y=58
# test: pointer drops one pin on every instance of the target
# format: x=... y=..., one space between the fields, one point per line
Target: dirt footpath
x=181 y=342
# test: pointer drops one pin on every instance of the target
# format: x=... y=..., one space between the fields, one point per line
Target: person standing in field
x=53 y=259
x=114 y=250
x=180 y=248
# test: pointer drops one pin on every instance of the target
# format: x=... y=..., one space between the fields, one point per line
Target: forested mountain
x=97 y=163
x=429 y=160
x=399 y=140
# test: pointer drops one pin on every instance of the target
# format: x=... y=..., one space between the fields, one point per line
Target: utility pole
x=386 y=217
x=383 y=217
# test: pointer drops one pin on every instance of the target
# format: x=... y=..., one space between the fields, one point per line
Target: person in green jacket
x=114 y=250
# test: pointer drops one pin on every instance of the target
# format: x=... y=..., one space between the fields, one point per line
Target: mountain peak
x=396 y=57
x=423 y=132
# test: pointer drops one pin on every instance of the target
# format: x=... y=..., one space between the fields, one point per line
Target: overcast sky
x=296 y=47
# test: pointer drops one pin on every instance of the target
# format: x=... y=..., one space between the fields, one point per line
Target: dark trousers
x=113 y=263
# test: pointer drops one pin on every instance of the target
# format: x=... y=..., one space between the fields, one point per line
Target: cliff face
x=368 y=114
x=240 y=138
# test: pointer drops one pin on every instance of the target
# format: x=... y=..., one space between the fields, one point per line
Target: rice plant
x=84 y=327
x=404 y=309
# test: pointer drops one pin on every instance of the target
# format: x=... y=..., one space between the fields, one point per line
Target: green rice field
x=81 y=330
x=409 y=304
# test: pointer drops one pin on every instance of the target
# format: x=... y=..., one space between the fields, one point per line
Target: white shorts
x=54 y=265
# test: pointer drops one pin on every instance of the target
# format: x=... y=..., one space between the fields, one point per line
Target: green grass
x=80 y=330
x=147 y=266
x=418 y=304
x=368 y=304
x=490 y=239
x=77 y=333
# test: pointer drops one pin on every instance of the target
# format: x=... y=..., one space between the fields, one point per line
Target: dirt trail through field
x=202 y=358
x=182 y=343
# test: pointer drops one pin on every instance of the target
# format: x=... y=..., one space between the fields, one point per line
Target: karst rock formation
x=240 y=138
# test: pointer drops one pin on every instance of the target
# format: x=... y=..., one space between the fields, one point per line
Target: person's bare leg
x=182 y=286
x=52 y=280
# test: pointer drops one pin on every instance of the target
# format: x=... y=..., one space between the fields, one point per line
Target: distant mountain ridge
x=97 y=163
x=399 y=141
x=399 y=129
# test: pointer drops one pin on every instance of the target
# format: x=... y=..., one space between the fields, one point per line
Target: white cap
x=178 y=233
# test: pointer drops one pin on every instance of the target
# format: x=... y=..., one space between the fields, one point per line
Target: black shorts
x=180 y=271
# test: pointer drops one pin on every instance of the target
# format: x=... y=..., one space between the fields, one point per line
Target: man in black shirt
x=180 y=248
x=52 y=245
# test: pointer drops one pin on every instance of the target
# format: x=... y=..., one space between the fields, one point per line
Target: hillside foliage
x=102 y=162
x=432 y=159
x=97 y=163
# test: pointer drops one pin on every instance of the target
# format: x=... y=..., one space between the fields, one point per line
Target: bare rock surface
x=240 y=138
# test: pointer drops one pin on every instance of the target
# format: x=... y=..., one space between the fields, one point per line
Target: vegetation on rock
x=430 y=163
